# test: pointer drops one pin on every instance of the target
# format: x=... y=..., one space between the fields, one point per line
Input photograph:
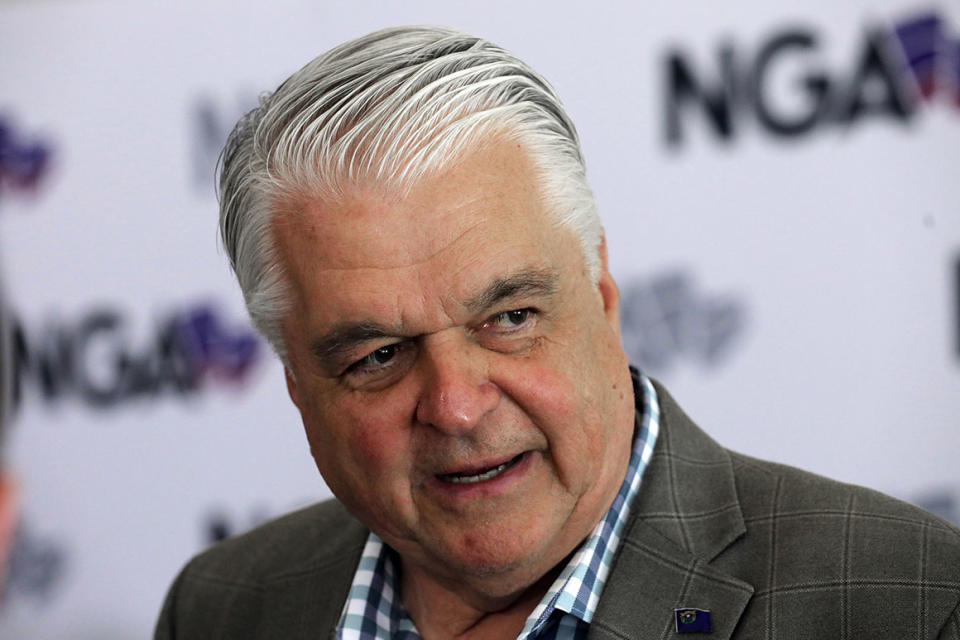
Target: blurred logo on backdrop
x=25 y=159
x=211 y=121
x=786 y=87
x=218 y=525
x=94 y=359
x=38 y=565
x=666 y=318
x=220 y=522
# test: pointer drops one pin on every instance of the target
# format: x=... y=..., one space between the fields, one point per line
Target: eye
x=381 y=367
x=508 y=322
x=511 y=319
x=376 y=360
x=383 y=355
x=510 y=331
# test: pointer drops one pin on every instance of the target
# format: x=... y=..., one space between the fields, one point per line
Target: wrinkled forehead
x=379 y=233
x=492 y=191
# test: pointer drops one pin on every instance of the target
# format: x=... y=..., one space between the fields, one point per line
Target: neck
x=455 y=611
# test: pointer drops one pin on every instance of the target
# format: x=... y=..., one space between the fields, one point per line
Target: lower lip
x=486 y=488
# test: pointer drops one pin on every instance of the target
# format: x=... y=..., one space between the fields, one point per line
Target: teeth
x=480 y=477
x=458 y=478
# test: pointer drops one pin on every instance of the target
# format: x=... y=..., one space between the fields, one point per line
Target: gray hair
x=388 y=109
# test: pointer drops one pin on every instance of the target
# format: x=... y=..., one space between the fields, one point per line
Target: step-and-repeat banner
x=780 y=183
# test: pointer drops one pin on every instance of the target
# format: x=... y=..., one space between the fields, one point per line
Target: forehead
x=453 y=232
x=492 y=188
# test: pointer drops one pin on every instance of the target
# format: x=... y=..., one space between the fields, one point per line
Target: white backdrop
x=798 y=294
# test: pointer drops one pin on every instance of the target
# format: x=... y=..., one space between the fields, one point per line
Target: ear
x=609 y=293
x=291 y=387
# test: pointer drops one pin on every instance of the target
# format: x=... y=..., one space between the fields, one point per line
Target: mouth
x=480 y=475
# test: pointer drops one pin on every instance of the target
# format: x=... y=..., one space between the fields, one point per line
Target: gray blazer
x=770 y=551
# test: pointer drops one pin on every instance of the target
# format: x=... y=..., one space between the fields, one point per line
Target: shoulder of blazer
x=303 y=541
x=284 y=580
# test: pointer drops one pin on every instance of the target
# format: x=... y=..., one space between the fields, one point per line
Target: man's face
x=459 y=375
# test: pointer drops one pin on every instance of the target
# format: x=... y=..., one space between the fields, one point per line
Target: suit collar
x=687 y=513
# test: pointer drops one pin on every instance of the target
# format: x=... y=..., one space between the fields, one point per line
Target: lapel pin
x=691 y=620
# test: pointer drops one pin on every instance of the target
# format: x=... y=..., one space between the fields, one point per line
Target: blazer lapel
x=686 y=513
x=307 y=605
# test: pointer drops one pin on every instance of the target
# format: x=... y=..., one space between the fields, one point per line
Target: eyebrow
x=343 y=337
x=530 y=282
x=333 y=345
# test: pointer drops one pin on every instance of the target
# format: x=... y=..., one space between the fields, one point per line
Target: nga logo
x=895 y=69
x=94 y=360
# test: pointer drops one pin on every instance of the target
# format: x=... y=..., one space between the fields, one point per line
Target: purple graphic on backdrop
x=24 y=159
x=212 y=349
x=893 y=71
x=92 y=358
x=921 y=41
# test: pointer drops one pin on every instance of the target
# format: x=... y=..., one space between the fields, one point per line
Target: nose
x=457 y=392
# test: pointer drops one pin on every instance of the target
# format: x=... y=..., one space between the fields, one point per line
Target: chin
x=501 y=559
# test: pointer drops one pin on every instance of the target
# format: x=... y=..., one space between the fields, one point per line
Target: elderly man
x=411 y=226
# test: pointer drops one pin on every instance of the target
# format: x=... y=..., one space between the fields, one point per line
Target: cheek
x=552 y=399
x=545 y=392
x=378 y=445
x=365 y=441
x=374 y=469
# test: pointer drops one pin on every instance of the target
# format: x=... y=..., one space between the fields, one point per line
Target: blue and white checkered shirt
x=374 y=612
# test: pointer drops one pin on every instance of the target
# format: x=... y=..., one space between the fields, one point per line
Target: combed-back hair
x=386 y=110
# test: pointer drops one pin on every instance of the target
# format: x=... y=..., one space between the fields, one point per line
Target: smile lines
x=481 y=476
